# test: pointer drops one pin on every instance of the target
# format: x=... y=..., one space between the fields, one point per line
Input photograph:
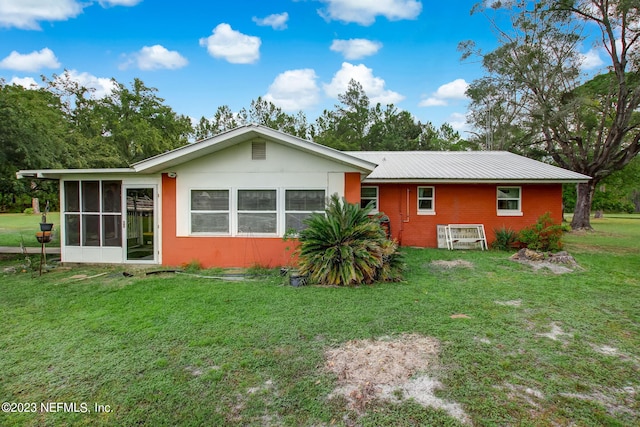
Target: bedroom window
x=426 y=200
x=257 y=211
x=93 y=213
x=509 y=201
x=369 y=195
x=299 y=205
x=210 y=211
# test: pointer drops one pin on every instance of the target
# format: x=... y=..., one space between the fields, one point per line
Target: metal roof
x=462 y=166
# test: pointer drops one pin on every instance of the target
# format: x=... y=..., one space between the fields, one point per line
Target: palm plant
x=344 y=246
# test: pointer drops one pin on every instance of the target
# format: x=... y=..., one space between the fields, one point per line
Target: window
x=369 y=195
x=210 y=211
x=299 y=205
x=426 y=200
x=93 y=213
x=509 y=201
x=257 y=211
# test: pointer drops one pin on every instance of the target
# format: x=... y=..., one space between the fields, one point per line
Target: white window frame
x=422 y=211
x=376 y=209
x=286 y=211
x=237 y=213
x=228 y=212
x=509 y=212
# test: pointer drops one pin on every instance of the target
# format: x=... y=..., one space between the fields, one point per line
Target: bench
x=465 y=236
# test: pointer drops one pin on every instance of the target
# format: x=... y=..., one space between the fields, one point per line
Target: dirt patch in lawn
x=456 y=263
x=389 y=369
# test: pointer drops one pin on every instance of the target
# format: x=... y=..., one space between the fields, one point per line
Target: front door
x=141 y=224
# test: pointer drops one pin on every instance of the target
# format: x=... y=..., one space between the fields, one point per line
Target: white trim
x=431 y=211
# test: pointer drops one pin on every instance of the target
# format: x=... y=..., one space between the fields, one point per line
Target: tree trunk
x=581 y=214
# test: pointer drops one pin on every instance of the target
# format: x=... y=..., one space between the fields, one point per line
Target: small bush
x=505 y=239
x=544 y=235
x=28 y=211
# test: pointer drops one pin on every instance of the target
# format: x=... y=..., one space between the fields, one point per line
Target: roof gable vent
x=258 y=150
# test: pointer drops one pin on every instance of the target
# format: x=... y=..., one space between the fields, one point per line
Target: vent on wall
x=258 y=150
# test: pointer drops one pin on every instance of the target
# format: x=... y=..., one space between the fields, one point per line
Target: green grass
x=18 y=227
x=179 y=350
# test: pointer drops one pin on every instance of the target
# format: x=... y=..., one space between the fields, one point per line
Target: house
x=229 y=200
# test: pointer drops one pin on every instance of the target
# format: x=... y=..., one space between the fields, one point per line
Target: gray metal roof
x=461 y=166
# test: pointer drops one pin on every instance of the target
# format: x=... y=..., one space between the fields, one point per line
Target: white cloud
x=25 y=82
x=33 y=61
x=232 y=45
x=277 y=21
x=448 y=91
x=356 y=48
x=101 y=86
x=294 y=90
x=458 y=122
x=373 y=86
x=26 y=14
x=364 y=12
x=591 y=60
x=154 y=58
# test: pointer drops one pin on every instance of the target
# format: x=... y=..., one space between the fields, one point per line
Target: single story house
x=228 y=200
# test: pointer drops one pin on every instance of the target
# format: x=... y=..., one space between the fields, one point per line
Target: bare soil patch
x=389 y=369
x=558 y=263
x=452 y=264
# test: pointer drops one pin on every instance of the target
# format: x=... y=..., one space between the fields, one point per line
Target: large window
x=93 y=213
x=210 y=211
x=426 y=200
x=257 y=211
x=509 y=201
x=299 y=205
x=369 y=195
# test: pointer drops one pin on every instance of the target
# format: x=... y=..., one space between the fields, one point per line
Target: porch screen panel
x=257 y=211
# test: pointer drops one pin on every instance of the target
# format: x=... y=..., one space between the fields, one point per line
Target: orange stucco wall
x=352 y=187
x=462 y=204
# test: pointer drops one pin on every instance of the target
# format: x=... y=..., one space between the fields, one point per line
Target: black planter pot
x=46 y=226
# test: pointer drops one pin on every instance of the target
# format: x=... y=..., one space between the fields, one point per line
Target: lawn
x=19 y=227
x=524 y=347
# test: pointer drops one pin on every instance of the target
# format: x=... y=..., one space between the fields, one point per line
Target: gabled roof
x=462 y=166
x=223 y=140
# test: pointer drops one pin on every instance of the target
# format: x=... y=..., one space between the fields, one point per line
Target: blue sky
x=299 y=54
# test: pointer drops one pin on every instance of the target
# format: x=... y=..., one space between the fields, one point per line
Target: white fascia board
x=58 y=173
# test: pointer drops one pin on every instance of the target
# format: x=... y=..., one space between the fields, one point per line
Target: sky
x=298 y=54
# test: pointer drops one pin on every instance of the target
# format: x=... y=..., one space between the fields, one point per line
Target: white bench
x=465 y=236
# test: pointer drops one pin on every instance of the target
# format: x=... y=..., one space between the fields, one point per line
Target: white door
x=140 y=224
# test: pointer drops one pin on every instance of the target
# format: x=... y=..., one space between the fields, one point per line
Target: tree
x=535 y=78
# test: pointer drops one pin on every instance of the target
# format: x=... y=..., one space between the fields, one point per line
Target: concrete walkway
x=53 y=250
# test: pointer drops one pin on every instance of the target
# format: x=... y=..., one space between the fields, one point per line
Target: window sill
x=426 y=212
x=509 y=213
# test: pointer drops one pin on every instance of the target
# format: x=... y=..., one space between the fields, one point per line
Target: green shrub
x=28 y=211
x=544 y=235
x=345 y=246
x=505 y=239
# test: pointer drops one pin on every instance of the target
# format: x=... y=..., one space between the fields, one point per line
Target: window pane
x=72 y=196
x=371 y=192
x=91 y=230
x=72 y=230
x=304 y=200
x=294 y=221
x=111 y=230
x=90 y=196
x=257 y=200
x=210 y=200
x=257 y=223
x=425 y=192
x=365 y=202
x=209 y=222
x=425 y=204
x=111 y=196
x=508 y=193
x=511 y=205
